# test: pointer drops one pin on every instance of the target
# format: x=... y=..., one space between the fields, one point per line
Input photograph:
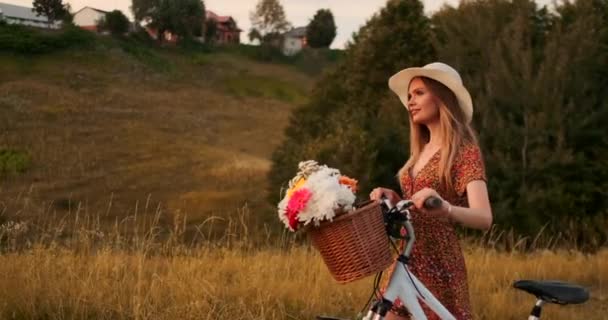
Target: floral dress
x=437 y=259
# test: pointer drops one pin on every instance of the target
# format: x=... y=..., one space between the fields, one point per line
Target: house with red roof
x=227 y=30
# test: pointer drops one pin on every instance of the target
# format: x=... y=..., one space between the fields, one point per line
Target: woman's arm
x=479 y=213
x=477 y=216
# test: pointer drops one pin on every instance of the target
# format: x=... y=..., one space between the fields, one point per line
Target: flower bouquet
x=317 y=193
x=352 y=240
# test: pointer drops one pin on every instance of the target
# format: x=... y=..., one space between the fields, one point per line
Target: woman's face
x=422 y=104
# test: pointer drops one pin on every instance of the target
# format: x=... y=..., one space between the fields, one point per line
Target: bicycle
x=405 y=286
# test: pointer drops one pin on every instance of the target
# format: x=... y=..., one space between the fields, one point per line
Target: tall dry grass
x=76 y=270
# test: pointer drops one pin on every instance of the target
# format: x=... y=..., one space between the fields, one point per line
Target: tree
x=321 y=30
x=115 y=22
x=536 y=79
x=353 y=121
x=254 y=34
x=269 y=21
x=68 y=18
x=53 y=9
x=210 y=30
x=184 y=18
x=188 y=17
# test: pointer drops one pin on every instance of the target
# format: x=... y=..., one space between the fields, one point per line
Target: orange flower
x=297 y=186
x=349 y=182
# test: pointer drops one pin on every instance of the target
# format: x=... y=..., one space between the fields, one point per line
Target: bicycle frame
x=404 y=285
x=411 y=291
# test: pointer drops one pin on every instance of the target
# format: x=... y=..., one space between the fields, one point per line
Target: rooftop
x=25 y=13
x=98 y=10
x=299 y=32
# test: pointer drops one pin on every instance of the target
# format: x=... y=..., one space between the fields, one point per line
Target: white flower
x=305 y=169
x=327 y=194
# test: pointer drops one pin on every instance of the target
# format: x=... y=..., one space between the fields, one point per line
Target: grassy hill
x=120 y=128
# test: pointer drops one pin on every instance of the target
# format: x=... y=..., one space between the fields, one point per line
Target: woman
x=445 y=162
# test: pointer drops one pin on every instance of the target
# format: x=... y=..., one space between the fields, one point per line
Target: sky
x=349 y=15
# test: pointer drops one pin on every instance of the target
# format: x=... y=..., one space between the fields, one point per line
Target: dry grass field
x=92 y=275
x=143 y=197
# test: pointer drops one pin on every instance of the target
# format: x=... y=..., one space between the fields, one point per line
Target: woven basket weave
x=354 y=245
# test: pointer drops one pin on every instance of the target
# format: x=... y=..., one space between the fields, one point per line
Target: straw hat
x=438 y=71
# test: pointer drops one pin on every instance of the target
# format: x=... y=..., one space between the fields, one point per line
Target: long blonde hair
x=455 y=131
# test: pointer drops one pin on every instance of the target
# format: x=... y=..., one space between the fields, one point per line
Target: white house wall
x=292 y=46
x=87 y=17
x=13 y=14
x=30 y=23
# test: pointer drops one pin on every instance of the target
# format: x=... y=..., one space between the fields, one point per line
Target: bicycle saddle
x=554 y=291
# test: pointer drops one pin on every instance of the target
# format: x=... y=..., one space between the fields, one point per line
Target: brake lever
x=394 y=221
x=386 y=202
x=404 y=205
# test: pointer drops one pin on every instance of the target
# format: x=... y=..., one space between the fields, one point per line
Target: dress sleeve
x=468 y=167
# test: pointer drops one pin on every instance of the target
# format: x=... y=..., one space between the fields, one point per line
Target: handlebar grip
x=432 y=203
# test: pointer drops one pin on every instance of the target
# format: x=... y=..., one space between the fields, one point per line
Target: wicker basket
x=354 y=245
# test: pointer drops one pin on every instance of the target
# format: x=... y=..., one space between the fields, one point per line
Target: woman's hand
x=391 y=195
x=419 y=197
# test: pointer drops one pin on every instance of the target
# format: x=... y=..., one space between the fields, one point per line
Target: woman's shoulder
x=468 y=166
x=467 y=152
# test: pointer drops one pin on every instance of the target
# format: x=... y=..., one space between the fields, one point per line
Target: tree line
x=269 y=23
x=187 y=19
x=184 y=18
x=537 y=76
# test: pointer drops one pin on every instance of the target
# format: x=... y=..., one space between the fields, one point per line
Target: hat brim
x=400 y=82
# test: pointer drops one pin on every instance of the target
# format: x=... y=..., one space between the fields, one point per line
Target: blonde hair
x=455 y=131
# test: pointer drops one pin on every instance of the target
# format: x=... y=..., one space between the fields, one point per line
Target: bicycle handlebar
x=433 y=203
x=402 y=207
x=429 y=204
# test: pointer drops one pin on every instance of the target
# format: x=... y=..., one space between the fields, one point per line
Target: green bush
x=193 y=45
x=310 y=61
x=141 y=36
x=315 y=61
x=24 y=40
x=13 y=161
x=115 y=22
x=146 y=52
